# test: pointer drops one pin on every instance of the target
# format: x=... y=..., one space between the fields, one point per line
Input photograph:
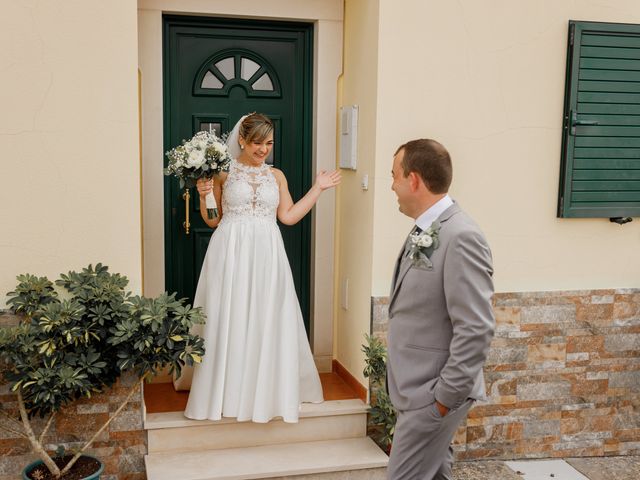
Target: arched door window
x=229 y=68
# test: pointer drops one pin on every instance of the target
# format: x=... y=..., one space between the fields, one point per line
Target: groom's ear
x=415 y=181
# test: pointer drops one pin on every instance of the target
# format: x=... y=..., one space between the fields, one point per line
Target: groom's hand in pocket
x=442 y=409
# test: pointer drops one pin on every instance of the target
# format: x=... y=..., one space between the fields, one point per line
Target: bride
x=258 y=364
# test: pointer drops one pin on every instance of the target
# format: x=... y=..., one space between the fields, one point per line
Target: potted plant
x=382 y=415
x=78 y=342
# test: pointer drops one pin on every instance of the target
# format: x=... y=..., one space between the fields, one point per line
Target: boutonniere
x=422 y=245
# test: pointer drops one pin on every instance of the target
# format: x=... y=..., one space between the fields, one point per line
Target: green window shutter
x=600 y=168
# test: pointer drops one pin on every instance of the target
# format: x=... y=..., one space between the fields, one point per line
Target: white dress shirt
x=430 y=215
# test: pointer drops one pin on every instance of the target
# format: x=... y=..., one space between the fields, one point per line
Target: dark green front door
x=215 y=71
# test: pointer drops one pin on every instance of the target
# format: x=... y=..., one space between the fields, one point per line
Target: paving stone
x=483 y=470
x=607 y=468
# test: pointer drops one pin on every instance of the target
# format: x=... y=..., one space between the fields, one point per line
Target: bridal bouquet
x=203 y=156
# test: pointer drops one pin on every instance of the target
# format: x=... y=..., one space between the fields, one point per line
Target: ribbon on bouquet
x=212 y=206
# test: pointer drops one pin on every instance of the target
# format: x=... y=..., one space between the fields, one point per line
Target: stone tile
x=130 y=464
x=630 y=380
x=591 y=387
x=8 y=319
x=596 y=299
x=507 y=318
x=127 y=421
x=93 y=408
x=548 y=314
x=554 y=352
x=624 y=310
x=592 y=343
x=595 y=314
x=622 y=342
x=507 y=355
x=543 y=390
x=541 y=429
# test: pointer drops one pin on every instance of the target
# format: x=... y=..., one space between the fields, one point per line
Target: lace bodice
x=249 y=193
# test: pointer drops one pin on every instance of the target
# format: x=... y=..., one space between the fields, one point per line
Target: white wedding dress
x=257 y=363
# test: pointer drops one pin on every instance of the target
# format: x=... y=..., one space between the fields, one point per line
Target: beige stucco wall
x=355 y=208
x=486 y=78
x=70 y=165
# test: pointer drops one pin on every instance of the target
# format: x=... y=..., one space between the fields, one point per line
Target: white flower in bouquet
x=196 y=158
x=203 y=156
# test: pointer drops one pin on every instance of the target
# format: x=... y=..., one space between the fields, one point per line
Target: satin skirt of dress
x=257 y=364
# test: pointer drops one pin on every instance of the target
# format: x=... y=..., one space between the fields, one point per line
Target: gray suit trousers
x=421 y=447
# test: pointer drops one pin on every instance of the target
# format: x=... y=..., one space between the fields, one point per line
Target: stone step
x=329 y=459
x=330 y=420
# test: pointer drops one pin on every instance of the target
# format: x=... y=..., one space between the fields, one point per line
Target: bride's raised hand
x=326 y=180
x=204 y=185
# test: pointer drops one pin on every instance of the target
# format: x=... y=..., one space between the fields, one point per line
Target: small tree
x=78 y=346
x=382 y=416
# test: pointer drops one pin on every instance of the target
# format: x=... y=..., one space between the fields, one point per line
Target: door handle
x=186 y=196
x=576 y=122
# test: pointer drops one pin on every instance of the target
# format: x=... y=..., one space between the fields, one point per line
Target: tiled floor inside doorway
x=161 y=397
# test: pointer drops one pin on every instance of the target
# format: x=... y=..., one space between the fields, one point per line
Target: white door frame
x=327 y=17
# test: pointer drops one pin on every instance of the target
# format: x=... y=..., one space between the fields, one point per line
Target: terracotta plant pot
x=94 y=476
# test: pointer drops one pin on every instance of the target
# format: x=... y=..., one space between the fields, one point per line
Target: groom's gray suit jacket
x=441 y=320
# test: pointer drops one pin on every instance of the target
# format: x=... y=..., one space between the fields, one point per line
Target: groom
x=440 y=317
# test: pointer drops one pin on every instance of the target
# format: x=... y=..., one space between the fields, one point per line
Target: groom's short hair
x=430 y=160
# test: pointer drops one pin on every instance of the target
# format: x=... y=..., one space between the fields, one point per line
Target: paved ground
x=594 y=468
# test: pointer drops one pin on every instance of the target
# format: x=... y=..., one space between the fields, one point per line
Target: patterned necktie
x=407 y=246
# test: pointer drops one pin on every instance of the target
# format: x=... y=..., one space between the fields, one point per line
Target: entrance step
x=326 y=460
x=330 y=420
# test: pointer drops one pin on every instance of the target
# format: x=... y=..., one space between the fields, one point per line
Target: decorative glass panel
x=263 y=83
x=211 y=81
x=248 y=68
x=214 y=127
x=227 y=67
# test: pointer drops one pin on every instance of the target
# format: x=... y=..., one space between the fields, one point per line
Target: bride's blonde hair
x=256 y=127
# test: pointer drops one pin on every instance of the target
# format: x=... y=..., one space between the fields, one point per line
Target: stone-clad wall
x=121 y=447
x=563 y=376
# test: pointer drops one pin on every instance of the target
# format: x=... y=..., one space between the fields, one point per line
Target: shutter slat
x=606 y=185
x=595 y=86
x=606 y=174
x=608 y=153
x=608 y=40
x=589 y=97
x=613 y=120
x=610 y=64
x=594 y=131
x=607 y=108
x=606 y=163
x=610 y=52
x=609 y=75
x=605 y=196
x=619 y=142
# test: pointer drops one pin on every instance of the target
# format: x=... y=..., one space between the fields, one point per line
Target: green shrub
x=77 y=344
